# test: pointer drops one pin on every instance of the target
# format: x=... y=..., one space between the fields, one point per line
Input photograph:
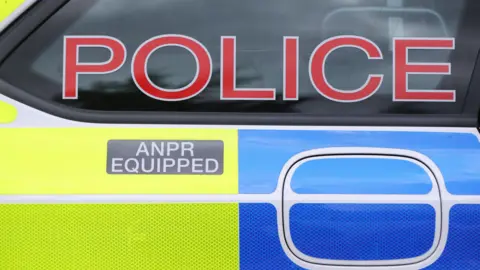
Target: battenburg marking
x=165 y=157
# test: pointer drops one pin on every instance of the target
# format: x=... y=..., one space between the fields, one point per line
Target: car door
x=105 y=165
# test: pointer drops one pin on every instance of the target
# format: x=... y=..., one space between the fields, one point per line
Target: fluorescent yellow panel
x=111 y=237
x=7 y=7
x=73 y=161
x=8 y=113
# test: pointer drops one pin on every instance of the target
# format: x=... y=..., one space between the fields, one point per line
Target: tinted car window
x=259 y=27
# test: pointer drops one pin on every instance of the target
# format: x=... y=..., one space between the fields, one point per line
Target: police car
x=254 y=134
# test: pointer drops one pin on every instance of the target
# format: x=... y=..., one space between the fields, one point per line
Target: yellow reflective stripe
x=73 y=161
x=8 y=113
x=8 y=6
x=119 y=236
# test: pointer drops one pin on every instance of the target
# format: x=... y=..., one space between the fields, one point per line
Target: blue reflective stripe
x=463 y=246
x=260 y=246
x=362 y=231
x=357 y=175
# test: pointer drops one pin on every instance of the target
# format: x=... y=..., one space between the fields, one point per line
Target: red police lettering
x=72 y=68
x=290 y=68
x=228 y=89
x=402 y=68
x=196 y=86
x=317 y=69
x=228 y=77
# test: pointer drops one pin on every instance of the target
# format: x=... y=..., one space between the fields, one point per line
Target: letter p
x=72 y=68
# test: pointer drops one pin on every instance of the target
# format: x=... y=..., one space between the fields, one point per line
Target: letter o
x=196 y=86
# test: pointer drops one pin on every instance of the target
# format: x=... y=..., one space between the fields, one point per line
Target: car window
x=259 y=27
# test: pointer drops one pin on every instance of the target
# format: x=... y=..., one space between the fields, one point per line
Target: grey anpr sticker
x=165 y=157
